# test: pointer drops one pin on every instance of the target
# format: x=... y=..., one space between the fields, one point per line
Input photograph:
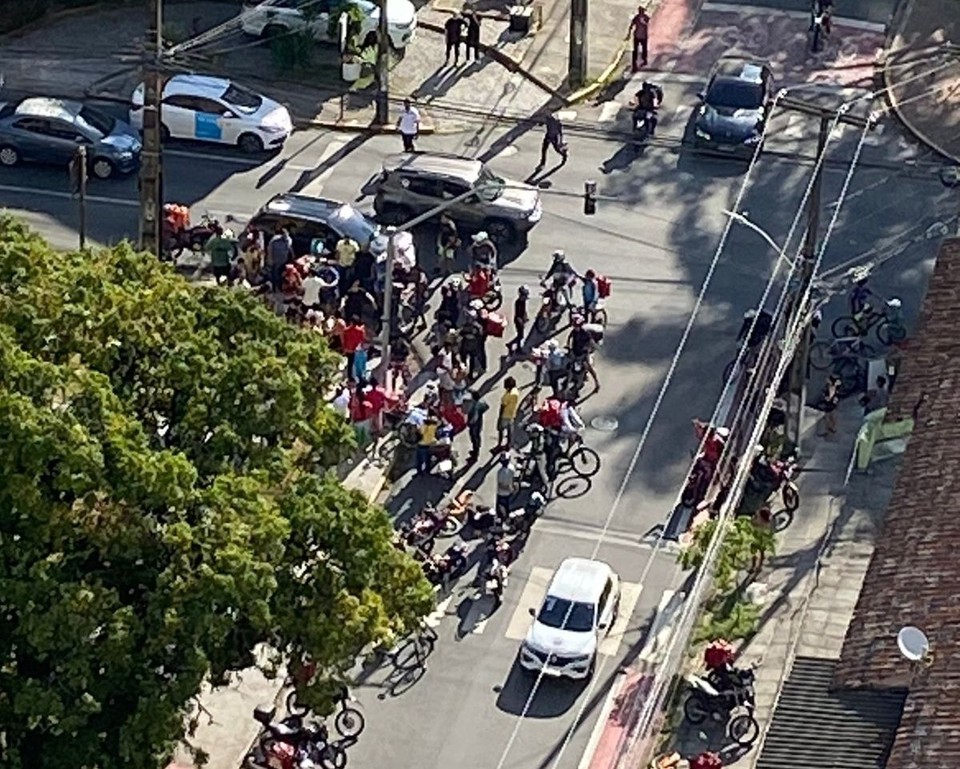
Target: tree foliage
x=167 y=506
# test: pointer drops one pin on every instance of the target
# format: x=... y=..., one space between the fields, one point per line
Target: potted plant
x=346 y=27
x=350 y=66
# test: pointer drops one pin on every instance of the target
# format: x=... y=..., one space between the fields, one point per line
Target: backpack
x=603 y=286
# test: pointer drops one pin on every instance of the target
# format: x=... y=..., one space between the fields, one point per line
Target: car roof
x=436 y=164
x=303 y=206
x=40 y=106
x=579 y=579
x=197 y=85
x=746 y=70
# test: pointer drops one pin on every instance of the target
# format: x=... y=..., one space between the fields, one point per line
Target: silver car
x=412 y=184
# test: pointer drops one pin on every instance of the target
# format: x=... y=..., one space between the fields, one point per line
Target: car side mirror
x=701 y=96
x=533 y=612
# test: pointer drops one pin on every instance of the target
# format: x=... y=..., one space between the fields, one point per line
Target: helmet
x=559 y=256
x=552 y=344
x=523 y=291
x=481 y=237
x=722 y=432
x=505 y=458
x=590 y=275
x=456 y=283
x=535 y=429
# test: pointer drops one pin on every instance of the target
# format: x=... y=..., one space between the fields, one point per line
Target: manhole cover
x=604 y=424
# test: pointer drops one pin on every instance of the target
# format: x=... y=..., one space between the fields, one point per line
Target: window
x=353 y=224
x=96 y=120
x=417 y=185
x=568 y=615
x=61 y=130
x=210 y=106
x=735 y=94
x=181 y=101
x=242 y=99
x=453 y=189
x=34 y=125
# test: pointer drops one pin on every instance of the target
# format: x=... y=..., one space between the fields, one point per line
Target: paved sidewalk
x=807 y=592
x=923 y=77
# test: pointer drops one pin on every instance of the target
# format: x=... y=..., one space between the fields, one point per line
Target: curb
x=603 y=79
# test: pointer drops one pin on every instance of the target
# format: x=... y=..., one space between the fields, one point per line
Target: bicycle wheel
x=744 y=729
x=821 y=355
x=493 y=300
x=293 y=705
x=890 y=333
x=695 y=709
x=349 y=722
x=845 y=326
x=332 y=756
x=850 y=374
x=585 y=461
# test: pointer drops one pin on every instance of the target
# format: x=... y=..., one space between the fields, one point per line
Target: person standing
x=279 y=252
x=506 y=484
x=346 y=251
x=639 y=25
x=473 y=33
x=408 y=124
x=520 y=318
x=475 y=408
x=221 y=250
x=354 y=335
x=453 y=34
x=829 y=400
x=448 y=239
x=509 y=406
x=552 y=137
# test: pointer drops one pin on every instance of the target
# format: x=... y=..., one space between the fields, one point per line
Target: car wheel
x=501 y=231
x=250 y=143
x=102 y=168
x=9 y=156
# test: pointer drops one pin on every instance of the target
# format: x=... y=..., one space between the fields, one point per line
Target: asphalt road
x=655 y=233
x=875 y=11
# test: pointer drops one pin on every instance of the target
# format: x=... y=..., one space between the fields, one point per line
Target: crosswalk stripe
x=315 y=186
x=629 y=595
x=435 y=617
x=532 y=596
x=609 y=112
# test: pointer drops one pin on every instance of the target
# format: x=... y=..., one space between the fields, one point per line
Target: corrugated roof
x=814 y=728
x=914 y=575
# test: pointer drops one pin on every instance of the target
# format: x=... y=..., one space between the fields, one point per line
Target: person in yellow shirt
x=509 y=406
x=428 y=438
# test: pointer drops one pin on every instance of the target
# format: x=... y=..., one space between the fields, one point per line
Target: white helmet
x=559 y=256
x=481 y=237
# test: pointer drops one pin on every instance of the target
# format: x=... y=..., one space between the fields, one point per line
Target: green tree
x=167 y=508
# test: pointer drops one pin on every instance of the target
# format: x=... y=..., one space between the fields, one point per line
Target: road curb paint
x=614 y=728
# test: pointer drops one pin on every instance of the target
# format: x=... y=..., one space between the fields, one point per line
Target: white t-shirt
x=409 y=121
x=311 y=290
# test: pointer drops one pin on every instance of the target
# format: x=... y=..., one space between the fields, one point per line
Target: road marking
x=629 y=595
x=567 y=114
x=601 y=725
x=609 y=112
x=751 y=10
x=315 y=186
x=660 y=628
x=532 y=596
x=69 y=195
x=247 y=162
x=434 y=618
x=564 y=528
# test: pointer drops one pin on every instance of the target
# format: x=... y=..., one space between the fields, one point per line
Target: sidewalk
x=923 y=78
x=807 y=592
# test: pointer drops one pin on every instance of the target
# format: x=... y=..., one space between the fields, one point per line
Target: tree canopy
x=167 y=506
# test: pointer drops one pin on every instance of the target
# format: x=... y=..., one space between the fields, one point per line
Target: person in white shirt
x=408 y=124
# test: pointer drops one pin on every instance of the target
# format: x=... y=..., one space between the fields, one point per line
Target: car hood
x=723 y=123
x=565 y=643
x=518 y=196
x=400 y=13
x=273 y=113
x=123 y=138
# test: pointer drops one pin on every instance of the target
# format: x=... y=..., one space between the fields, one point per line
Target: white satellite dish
x=913 y=643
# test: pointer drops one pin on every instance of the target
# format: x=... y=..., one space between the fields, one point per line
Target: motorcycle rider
x=483 y=252
x=860 y=295
x=761 y=323
x=580 y=344
x=561 y=276
x=646 y=103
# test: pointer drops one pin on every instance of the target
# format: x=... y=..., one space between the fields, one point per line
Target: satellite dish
x=913 y=643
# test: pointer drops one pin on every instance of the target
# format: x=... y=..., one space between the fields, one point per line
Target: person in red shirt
x=353 y=336
x=378 y=399
x=639 y=26
x=478 y=282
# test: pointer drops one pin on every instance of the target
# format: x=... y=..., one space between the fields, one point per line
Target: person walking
x=520 y=318
x=279 y=252
x=408 y=124
x=552 y=137
x=639 y=25
x=509 y=406
x=475 y=407
x=221 y=250
x=354 y=335
x=473 y=33
x=829 y=400
x=506 y=484
x=453 y=35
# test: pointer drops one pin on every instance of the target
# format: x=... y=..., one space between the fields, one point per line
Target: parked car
x=408 y=185
x=276 y=17
x=319 y=223
x=214 y=109
x=42 y=130
x=578 y=610
x=734 y=106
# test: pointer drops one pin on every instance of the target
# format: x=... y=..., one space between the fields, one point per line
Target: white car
x=578 y=610
x=276 y=17
x=213 y=109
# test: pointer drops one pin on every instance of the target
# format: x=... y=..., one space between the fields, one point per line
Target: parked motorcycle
x=521 y=521
x=720 y=695
x=310 y=742
x=768 y=477
x=348 y=722
x=178 y=236
x=493 y=581
x=698 y=483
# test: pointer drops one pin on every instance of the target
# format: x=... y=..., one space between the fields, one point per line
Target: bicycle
x=887 y=323
x=575 y=456
x=845 y=359
x=348 y=722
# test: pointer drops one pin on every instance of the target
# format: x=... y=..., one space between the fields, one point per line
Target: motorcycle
x=698 y=483
x=767 y=477
x=439 y=570
x=178 y=236
x=719 y=695
x=551 y=310
x=494 y=580
x=482 y=518
x=643 y=123
x=429 y=524
x=521 y=521
x=294 y=743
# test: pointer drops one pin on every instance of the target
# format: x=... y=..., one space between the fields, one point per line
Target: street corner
x=848 y=56
x=617 y=717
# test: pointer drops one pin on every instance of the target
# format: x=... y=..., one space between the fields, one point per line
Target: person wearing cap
x=474 y=407
x=483 y=251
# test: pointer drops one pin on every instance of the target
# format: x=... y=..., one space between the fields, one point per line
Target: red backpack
x=603 y=286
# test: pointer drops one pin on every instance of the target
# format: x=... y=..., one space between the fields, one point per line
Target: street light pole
x=577 y=66
x=741 y=219
x=383 y=67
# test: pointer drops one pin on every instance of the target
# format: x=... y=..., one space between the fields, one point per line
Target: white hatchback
x=268 y=18
x=578 y=610
x=213 y=109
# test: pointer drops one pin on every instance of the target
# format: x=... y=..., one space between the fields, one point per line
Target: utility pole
x=577 y=67
x=78 y=181
x=383 y=67
x=797 y=394
x=151 y=164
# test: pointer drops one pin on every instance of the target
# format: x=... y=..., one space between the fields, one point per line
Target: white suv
x=275 y=17
x=578 y=610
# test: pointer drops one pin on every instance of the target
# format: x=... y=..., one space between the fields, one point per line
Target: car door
x=422 y=192
x=468 y=210
x=30 y=136
x=232 y=123
x=606 y=606
x=177 y=114
x=210 y=123
x=64 y=140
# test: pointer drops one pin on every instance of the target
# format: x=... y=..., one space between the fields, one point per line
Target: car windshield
x=353 y=224
x=241 y=98
x=735 y=94
x=489 y=185
x=96 y=120
x=568 y=615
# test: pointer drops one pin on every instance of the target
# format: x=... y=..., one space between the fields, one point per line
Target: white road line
x=629 y=595
x=609 y=112
x=660 y=629
x=68 y=195
x=589 y=533
x=608 y=704
x=749 y=10
x=246 y=162
x=532 y=596
x=315 y=185
x=435 y=617
x=567 y=114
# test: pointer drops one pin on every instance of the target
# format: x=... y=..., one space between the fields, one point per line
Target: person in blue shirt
x=859 y=296
x=591 y=294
